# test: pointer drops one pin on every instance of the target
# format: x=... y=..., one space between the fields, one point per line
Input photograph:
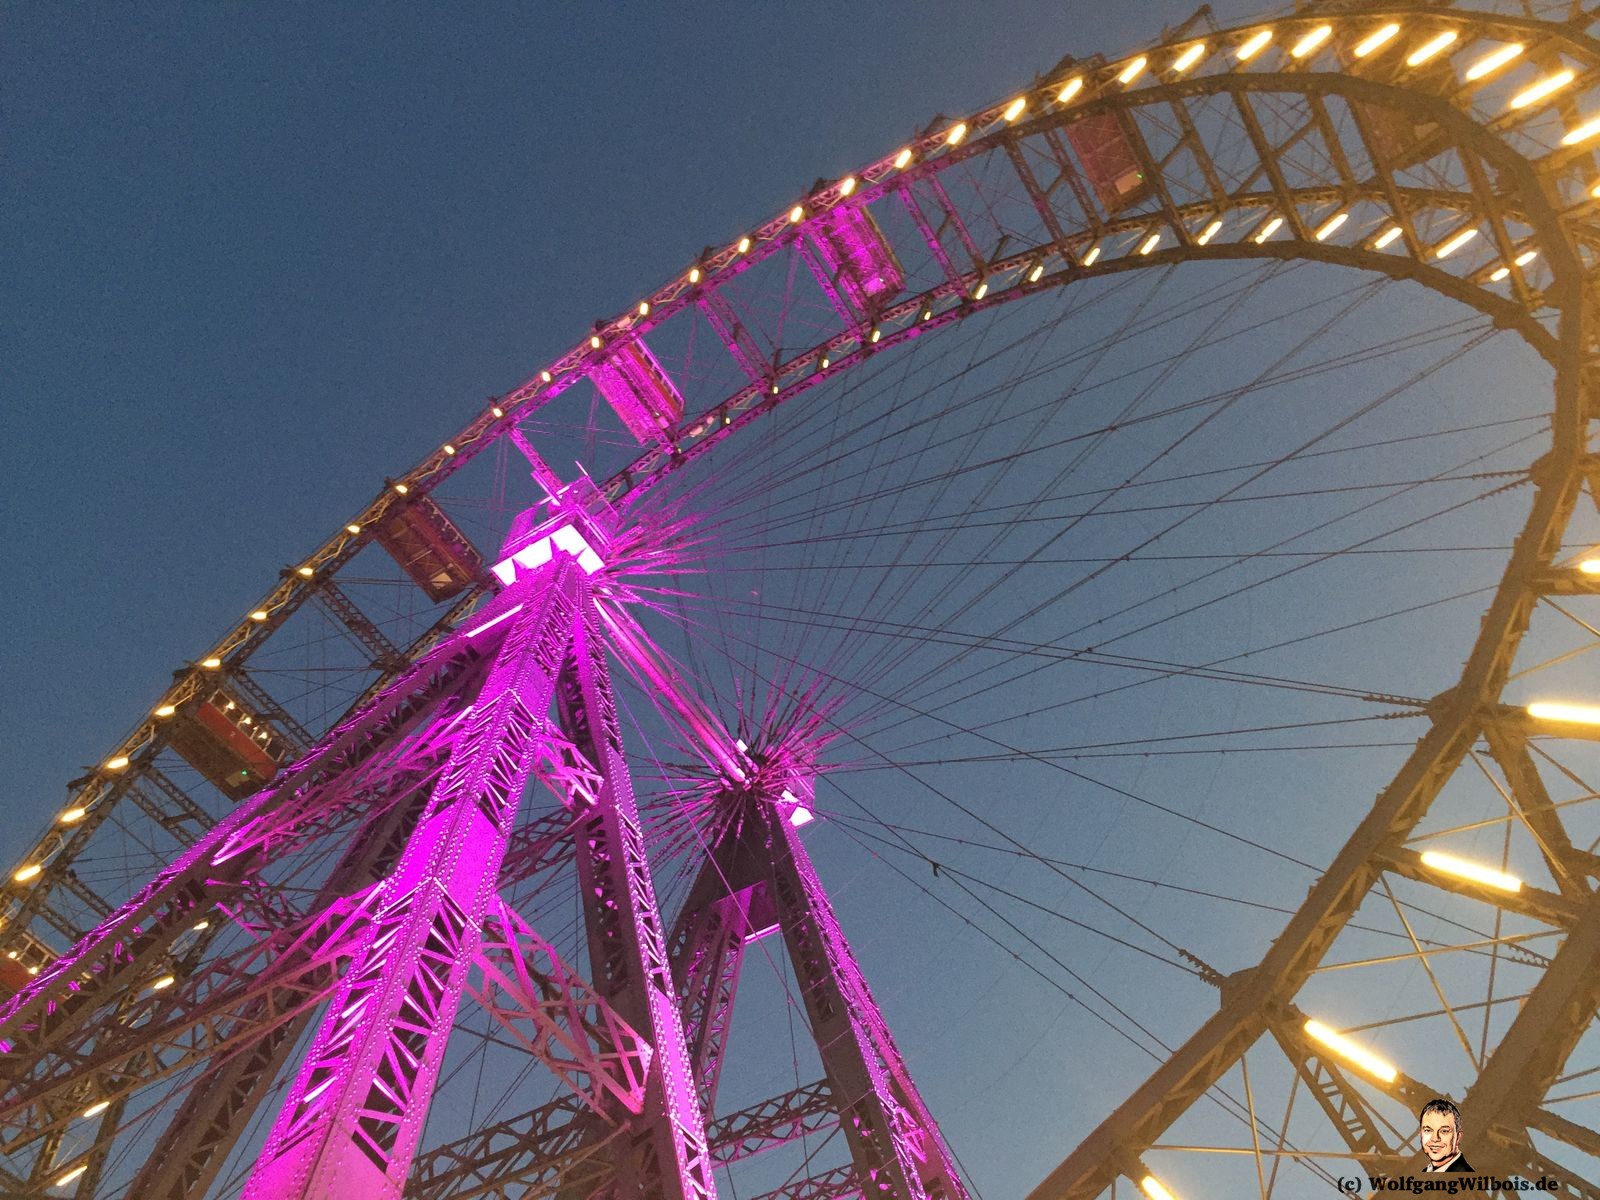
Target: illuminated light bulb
x=118 y=763
x=1449 y=864
x=1331 y=226
x=744 y=244
x=163 y=983
x=903 y=159
x=594 y=341
x=1015 y=109
x=33 y=970
x=31 y=871
x=1582 y=133
x=402 y=489
x=644 y=308
x=797 y=214
x=1499 y=274
x=826 y=362
x=211 y=664
x=1493 y=62
x=1455 y=243
x=847 y=185
x=352 y=528
x=1352 y=1052
x=1037 y=273
x=1151 y=1187
x=498 y=412
x=73 y=815
x=1526 y=257
x=64 y=1180
x=98 y=1107
x=260 y=614
x=307 y=572
x=1376 y=40
x=876 y=335
x=166 y=710
x=1595 y=191
x=1090 y=258
x=1209 y=232
x=448 y=449
x=982 y=290
x=1544 y=87
x=694 y=274
x=1311 y=41
x=202 y=926
x=957 y=132
x=774 y=388
x=1150 y=243
x=1590 y=566
x=1570 y=714
x=1133 y=70
x=545 y=377
x=1070 y=89
x=1189 y=57
x=1386 y=237
x=1431 y=47
x=1254 y=46
x=1267 y=230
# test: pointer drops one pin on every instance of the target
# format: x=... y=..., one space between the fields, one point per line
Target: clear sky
x=255 y=258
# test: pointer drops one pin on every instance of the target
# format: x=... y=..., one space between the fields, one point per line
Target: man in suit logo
x=1441 y=1136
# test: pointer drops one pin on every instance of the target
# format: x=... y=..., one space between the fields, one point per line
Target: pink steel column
x=350 y=1122
x=627 y=953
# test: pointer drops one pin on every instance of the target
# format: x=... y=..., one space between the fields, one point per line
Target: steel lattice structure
x=377 y=873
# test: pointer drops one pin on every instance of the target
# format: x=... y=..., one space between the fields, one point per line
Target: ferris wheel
x=1100 y=591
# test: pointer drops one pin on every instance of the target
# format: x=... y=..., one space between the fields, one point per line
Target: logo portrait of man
x=1441 y=1136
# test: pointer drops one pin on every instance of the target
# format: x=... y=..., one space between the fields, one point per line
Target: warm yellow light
x=1590 y=566
x=1090 y=258
x=1431 y=47
x=1351 y=1052
x=1462 y=869
x=1133 y=70
x=166 y=710
x=352 y=528
x=877 y=336
x=201 y=926
x=1595 y=191
x=1570 y=714
x=1582 y=133
x=1016 y=108
x=1499 y=274
x=1493 y=62
x=1331 y=226
x=163 y=983
x=1446 y=249
x=1311 y=41
x=1267 y=230
x=1151 y=242
x=98 y=1107
x=31 y=871
x=1386 y=237
x=694 y=274
x=1254 y=46
x=797 y=214
x=545 y=376
x=903 y=159
x=1070 y=89
x=73 y=815
x=211 y=664
x=1037 y=273
x=448 y=449
x=594 y=341
x=261 y=614
x=307 y=572
x=847 y=185
x=826 y=363
x=982 y=290
x=1189 y=57
x=1526 y=257
x=498 y=413
x=955 y=134
x=1376 y=40
x=1209 y=232
x=1544 y=87
x=1151 y=1187
x=118 y=763
x=63 y=1180
x=744 y=244
x=402 y=489
x=644 y=309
